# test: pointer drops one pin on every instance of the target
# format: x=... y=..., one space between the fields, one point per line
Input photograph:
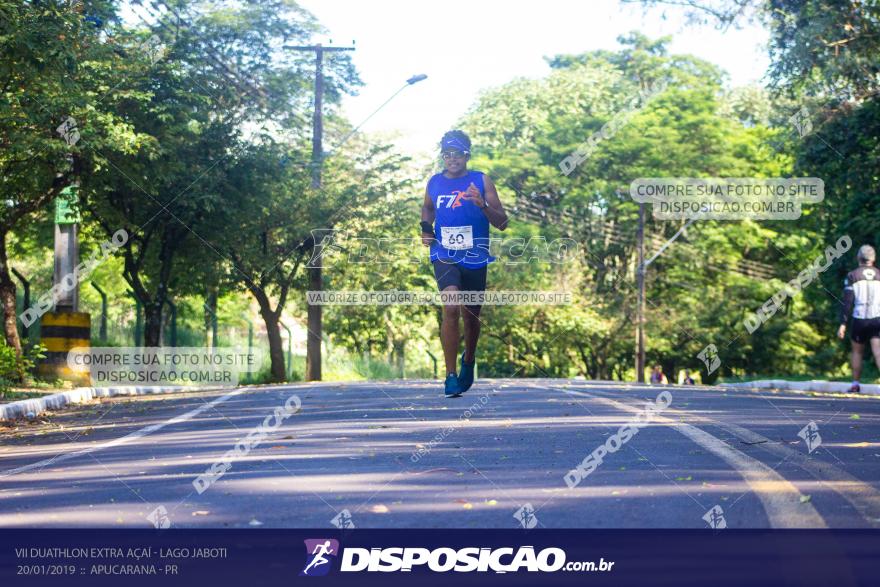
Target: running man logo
x=343 y=520
x=69 y=131
x=526 y=516
x=709 y=356
x=715 y=518
x=801 y=121
x=452 y=200
x=318 y=556
x=811 y=436
x=159 y=518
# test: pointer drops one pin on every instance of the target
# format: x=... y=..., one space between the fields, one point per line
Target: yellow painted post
x=59 y=333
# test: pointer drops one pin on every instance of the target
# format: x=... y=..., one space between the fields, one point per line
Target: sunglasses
x=453 y=155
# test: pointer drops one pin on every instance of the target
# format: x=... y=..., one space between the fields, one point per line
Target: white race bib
x=457 y=238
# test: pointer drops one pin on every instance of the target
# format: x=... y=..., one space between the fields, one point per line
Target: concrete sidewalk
x=813 y=385
x=31 y=408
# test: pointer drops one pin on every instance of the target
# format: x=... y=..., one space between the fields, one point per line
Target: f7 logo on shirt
x=452 y=200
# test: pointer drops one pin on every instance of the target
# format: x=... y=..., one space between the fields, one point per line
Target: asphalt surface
x=398 y=454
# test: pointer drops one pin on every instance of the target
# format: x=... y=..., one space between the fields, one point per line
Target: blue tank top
x=460 y=227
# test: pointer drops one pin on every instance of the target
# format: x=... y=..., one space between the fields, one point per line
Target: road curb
x=815 y=385
x=29 y=408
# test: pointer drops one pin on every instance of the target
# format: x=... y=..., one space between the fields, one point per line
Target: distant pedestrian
x=657 y=376
x=861 y=300
x=688 y=380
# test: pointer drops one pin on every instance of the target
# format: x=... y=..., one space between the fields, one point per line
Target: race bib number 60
x=457 y=238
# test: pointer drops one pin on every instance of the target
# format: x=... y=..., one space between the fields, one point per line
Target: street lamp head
x=416 y=78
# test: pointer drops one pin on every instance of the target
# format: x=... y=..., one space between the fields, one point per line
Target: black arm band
x=427 y=227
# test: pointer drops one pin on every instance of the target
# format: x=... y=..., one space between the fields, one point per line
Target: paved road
x=397 y=454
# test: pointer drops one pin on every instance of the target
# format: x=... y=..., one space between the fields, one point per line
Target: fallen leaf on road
x=492 y=502
x=805 y=498
x=379 y=509
x=201 y=513
x=688 y=478
x=854 y=417
x=468 y=506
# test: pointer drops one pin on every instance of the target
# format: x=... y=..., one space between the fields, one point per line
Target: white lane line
x=123 y=440
x=780 y=498
x=862 y=496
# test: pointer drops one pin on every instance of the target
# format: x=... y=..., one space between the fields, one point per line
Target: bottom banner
x=267 y=558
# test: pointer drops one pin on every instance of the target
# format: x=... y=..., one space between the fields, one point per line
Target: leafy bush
x=11 y=365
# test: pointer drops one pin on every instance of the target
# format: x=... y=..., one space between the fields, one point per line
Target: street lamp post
x=316 y=279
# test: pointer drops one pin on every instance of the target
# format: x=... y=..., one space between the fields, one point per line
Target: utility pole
x=316 y=278
x=640 y=308
x=65 y=327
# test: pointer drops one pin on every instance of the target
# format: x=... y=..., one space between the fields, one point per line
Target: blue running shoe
x=466 y=377
x=452 y=386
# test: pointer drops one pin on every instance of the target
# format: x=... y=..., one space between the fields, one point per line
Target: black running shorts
x=463 y=278
x=864 y=329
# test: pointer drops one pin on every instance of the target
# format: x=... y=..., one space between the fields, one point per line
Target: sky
x=465 y=46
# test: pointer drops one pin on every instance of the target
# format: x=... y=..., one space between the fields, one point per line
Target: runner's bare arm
x=428 y=215
x=495 y=209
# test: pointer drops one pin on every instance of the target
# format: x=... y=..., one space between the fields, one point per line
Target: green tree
x=224 y=83
x=54 y=61
x=280 y=219
x=692 y=128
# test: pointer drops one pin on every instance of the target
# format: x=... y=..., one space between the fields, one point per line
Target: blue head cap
x=455 y=142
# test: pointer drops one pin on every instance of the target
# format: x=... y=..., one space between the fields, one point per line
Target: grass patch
x=13 y=395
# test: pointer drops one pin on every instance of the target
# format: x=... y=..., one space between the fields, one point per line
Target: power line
x=612 y=235
x=752 y=268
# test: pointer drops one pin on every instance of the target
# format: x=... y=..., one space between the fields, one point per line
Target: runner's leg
x=472 y=280
x=471 y=317
x=449 y=333
x=448 y=277
x=875 y=349
x=858 y=349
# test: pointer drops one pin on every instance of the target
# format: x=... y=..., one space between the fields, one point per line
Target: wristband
x=427 y=227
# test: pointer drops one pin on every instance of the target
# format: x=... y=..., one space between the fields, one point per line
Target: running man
x=320 y=550
x=458 y=209
x=861 y=300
